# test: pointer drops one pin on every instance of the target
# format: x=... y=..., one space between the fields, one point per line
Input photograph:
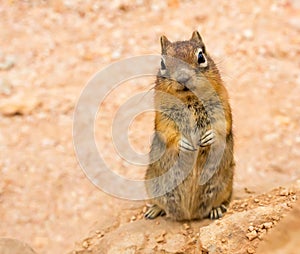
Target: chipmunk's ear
x=196 y=37
x=164 y=42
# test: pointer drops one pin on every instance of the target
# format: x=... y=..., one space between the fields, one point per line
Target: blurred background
x=50 y=49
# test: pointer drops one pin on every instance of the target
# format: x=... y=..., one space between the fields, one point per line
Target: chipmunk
x=191 y=168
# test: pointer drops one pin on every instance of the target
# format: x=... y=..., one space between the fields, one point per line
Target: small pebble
x=251 y=228
x=163 y=233
x=186 y=226
x=284 y=192
x=101 y=234
x=8 y=63
x=268 y=225
x=116 y=55
x=244 y=205
x=85 y=244
x=252 y=235
x=294 y=198
x=262 y=230
x=261 y=236
x=160 y=239
x=248 y=34
x=5 y=86
x=250 y=250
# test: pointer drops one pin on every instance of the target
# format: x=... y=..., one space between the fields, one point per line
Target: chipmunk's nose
x=183 y=78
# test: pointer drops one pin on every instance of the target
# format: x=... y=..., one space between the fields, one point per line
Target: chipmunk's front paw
x=184 y=144
x=207 y=139
x=217 y=212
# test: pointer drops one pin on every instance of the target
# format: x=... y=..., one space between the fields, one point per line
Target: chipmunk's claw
x=184 y=144
x=207 y=139
x=154 y=212
x=217 y=212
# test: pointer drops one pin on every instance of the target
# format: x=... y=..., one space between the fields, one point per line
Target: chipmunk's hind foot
x=217 y=213
x=153 y=212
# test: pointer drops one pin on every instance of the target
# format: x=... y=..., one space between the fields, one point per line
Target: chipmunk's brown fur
x=191 y=170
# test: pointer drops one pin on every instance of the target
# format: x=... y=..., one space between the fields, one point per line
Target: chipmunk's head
x=181 y=61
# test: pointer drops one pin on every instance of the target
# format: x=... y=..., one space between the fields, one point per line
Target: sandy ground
x=50 y=49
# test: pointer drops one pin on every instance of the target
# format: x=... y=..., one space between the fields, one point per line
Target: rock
x=248 y=34
x=133 y=218
x=174 y=243
x=238 y=232
x=251 y=228
x=13 y=246
x=267 y=225
x=284 y=192
x=142 y=236
x=160 y=239
x=252 y=235
x=250 y=250
x=122 y=240
x=186 y=226
x=8 y=63
x=116 y=55
x=285 y=239
x=22 y=105
x=85 y=244
x=234 y=229
x=5 y=86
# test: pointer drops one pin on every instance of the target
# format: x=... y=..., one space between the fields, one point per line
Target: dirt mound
x=246 y=224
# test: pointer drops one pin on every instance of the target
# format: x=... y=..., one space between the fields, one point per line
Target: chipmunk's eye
x=201 y=58
x=162 y=64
